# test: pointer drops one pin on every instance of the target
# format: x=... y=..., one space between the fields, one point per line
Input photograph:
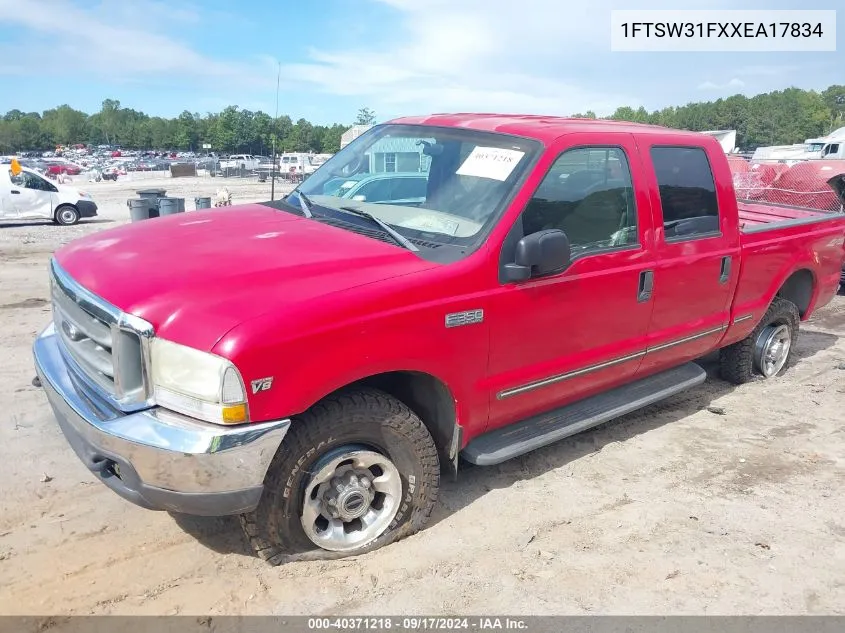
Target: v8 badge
x=262 y=384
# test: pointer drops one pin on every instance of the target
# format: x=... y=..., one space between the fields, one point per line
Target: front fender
x=306 y=368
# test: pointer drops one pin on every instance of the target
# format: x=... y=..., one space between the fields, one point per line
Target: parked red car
x=63 y=168
x=312 y=363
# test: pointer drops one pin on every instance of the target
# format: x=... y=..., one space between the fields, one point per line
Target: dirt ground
x=722 y=500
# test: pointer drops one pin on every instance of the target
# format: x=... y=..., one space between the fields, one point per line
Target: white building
x=726 y=138
x=390 y=154
x=352 y=133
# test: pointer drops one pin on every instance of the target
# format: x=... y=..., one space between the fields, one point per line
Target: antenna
x=275 y=134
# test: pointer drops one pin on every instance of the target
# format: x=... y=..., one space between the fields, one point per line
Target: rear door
x=8 y=210
x=697 y=253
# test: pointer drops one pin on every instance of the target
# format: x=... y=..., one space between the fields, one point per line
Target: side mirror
x=539 y=254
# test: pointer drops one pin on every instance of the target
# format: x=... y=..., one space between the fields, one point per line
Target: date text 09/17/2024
x=411 y=623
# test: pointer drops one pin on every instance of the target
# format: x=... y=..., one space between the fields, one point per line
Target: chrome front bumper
x=154 y=458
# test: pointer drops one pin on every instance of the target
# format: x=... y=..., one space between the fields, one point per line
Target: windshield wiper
x=400 y=239
x=304 y=203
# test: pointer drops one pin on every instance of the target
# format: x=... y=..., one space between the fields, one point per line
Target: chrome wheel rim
x=351 y=499
x=67 y=216
x=772 y=349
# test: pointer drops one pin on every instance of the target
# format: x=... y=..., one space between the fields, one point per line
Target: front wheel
x=67 y=215
x=356 y=472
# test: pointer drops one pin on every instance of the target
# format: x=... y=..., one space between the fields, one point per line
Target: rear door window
x=687 y=193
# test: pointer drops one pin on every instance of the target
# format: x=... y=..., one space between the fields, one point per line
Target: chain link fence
x=811 y=184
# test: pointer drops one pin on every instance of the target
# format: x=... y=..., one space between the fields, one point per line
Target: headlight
x=196 y=383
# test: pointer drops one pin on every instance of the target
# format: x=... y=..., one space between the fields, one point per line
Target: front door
x=568 y=335
x=697 y=248
x=30 y=196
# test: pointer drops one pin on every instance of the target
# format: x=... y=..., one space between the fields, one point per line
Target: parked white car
x=30 y=196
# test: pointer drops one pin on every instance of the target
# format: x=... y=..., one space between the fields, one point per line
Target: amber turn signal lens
x=234 y=413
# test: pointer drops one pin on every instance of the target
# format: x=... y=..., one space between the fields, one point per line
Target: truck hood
x=195 y=276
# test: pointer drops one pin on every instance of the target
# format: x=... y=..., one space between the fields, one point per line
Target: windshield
x=433 y=183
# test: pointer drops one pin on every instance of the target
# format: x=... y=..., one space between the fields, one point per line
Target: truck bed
x=773 y=238
x=755 y=216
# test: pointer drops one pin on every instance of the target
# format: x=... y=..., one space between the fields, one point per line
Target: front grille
x=107 y=348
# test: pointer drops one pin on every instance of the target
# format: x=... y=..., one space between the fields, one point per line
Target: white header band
x=723 y=31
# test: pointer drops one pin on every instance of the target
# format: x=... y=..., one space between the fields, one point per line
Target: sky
x=397 y=57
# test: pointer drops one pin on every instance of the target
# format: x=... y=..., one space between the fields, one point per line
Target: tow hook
x=36 y=382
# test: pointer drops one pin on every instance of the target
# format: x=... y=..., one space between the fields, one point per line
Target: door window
x=30 y=181
x=405 y=188
x=687 y=193
x=377 y=190
x=588 y=194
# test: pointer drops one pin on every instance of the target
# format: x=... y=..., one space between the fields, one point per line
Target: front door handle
x=16 y=191
x=725 y=272
x=646 y=285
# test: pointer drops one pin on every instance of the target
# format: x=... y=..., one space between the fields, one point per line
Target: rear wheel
x=356 y=472
x=67 y=215
x=768 y=350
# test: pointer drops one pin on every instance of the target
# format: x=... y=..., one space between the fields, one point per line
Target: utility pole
x=275 y=134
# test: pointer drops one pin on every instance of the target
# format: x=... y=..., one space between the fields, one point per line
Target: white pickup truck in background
x=30 y=196
x=240 y=161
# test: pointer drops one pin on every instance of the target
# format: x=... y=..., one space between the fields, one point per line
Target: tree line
x=774 y=118
x=782 y=117
x=232 y=130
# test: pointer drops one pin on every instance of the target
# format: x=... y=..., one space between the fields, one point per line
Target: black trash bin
x=202 y=203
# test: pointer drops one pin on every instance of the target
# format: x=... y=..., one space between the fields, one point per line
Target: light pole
x=275 y=133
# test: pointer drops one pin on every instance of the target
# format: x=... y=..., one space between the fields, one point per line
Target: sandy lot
x=675 y=509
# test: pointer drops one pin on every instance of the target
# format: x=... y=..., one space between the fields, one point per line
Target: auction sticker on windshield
x=490 y=162
x=428 y=223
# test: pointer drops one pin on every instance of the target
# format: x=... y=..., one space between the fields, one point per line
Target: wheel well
x=426 y=396
x=798 y=289
x=62 y=206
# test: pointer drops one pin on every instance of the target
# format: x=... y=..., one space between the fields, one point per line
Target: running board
x=523 y=437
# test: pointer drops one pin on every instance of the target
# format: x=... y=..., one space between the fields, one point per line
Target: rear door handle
x=646 y=285
x=16 y=191
x=725 y=272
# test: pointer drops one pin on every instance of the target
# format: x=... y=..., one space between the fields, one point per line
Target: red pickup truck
x=312 y=364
